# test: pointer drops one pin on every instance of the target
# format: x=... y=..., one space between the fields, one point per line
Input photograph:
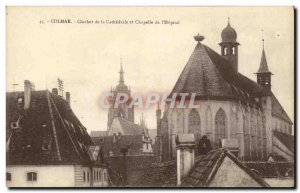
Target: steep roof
x=286 y=139
x=278 y=111
x=205 y=167
x=210 y=75
x=263 y=67
x=49 y=133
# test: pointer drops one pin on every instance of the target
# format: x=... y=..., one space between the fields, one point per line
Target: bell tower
x=229 y=45
x=263 y=73
x=123 y=110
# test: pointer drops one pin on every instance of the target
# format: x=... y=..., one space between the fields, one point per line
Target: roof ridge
x=256 y=177
x=65 y=127
x=53 y=126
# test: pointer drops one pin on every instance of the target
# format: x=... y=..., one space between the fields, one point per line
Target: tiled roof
x=206 y=166
x=286 y=139
x=159 y=175
x=49 y=133
x=209 y=75
x=270 y=170
x=278 y=111
x=203 y=171
x=98 y=133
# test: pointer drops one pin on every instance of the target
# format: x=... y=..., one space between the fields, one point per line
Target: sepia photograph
x=150 y=97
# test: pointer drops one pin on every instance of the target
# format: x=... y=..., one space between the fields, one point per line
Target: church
x=232 y=106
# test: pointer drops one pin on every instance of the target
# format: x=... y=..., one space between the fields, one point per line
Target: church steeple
x=229 y=45
x=263 y=73
x=121 y=80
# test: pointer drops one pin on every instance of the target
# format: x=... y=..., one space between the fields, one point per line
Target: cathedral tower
x=123 y=109
x=229 y=45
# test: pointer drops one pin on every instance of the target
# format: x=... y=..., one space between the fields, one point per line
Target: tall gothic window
x=194 y=122
x=220 y=128
x=209 y=124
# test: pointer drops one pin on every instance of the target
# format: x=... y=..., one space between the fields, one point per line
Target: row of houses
x=47 y=146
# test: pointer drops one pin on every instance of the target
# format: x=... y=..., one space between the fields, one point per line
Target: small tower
x=263 y=73
x=229 y=45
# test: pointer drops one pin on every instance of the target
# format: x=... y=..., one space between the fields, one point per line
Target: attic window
x=15 y=125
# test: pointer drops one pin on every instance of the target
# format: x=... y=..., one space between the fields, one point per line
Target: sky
x=87 y=56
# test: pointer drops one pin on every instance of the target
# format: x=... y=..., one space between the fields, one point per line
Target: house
x=47 y=146
x=217 y=168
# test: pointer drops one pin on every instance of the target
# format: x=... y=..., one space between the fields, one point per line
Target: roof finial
x=263 y=40
x=228 y=18
x=199 y=38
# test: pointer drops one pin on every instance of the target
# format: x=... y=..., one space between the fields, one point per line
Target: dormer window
x=15 y=125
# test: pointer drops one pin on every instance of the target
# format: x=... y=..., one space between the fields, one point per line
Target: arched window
x=194 y=122
x=209 y=124
x=233 y=50
x=225 y=51
x=220 y=128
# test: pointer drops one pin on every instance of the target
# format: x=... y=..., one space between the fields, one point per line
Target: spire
x=121 y=81
x=263 y=68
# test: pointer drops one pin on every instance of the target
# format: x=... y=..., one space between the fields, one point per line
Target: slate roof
x=263 y=67
x=286 y=139
x=49 y=122
x=201 y=174
x=209 y=75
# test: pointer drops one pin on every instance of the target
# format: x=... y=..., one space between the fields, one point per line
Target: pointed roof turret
x=263 y=68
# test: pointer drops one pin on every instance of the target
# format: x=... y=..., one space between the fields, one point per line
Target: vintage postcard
x=150 y=97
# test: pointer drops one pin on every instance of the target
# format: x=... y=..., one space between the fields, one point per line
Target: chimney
x=54 y=91
x=68 y=98
x=185 y=155
x=28 y=87
x=231 y=145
